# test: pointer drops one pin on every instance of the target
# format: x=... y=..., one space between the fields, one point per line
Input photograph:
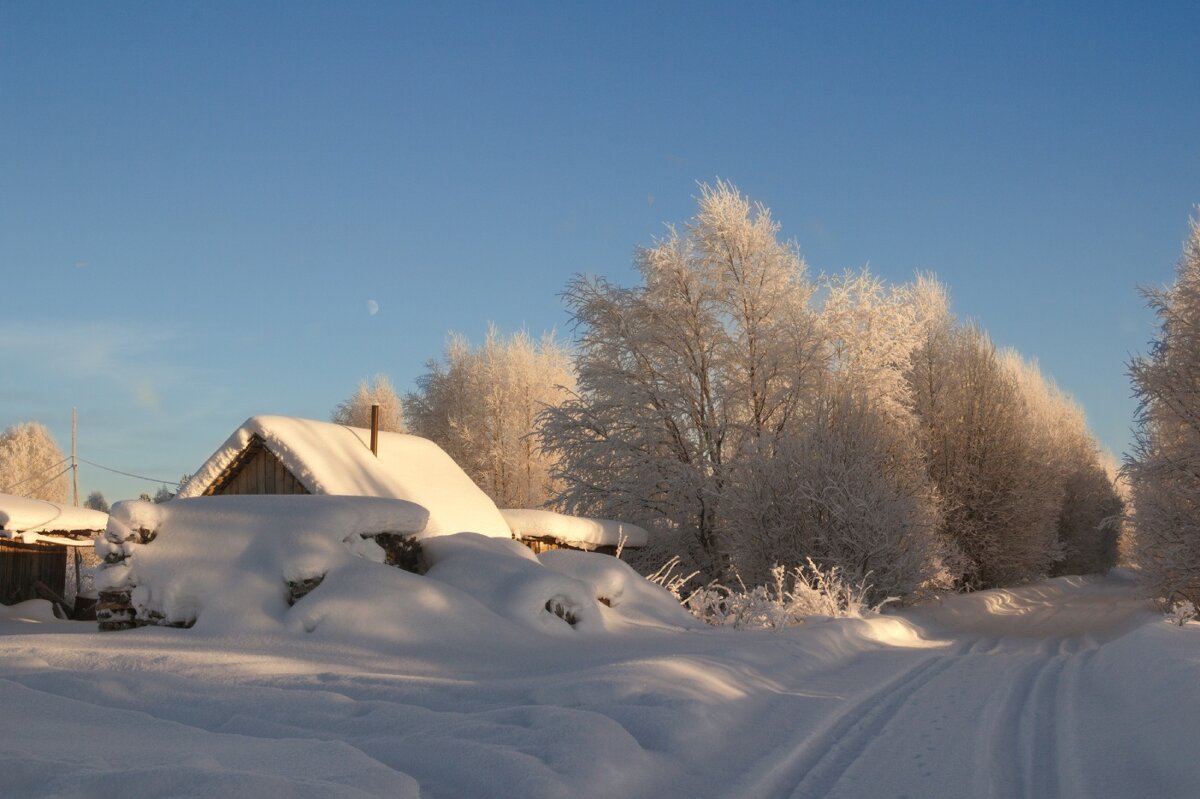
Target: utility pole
x=74 y=458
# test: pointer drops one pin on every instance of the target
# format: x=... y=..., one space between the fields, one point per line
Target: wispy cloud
x=82 y=350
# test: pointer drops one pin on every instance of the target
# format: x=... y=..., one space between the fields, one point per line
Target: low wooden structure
x=39 y=542
x=23 y=565
x=544 y=530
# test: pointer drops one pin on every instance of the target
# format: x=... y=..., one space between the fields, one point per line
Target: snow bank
x=575 y=531
x=614 y=584
x=33 y=520
x=507 y=578
x=334 y=459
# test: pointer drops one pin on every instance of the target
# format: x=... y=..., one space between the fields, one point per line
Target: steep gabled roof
x=333 y=459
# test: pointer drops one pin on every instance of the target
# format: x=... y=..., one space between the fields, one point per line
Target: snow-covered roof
x=334 y=459
x=575 y=531
x=33 y=520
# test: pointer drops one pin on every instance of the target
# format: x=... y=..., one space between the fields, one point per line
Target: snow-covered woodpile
x=164 y=563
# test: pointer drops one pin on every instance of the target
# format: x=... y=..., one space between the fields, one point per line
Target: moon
x=372 y=307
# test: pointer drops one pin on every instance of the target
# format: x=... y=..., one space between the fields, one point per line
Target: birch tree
x=355 y=411
x=1164 y=467
x=481 y=406
x=980 y=453
x=711 y=359
x=31 y=463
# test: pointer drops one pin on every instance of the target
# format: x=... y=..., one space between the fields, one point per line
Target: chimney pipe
x=375 y=430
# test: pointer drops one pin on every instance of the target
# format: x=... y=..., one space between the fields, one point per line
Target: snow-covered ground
x=1070 y=688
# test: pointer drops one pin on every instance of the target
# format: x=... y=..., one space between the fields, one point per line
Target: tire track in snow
x=815 y=764
x=1027 y=746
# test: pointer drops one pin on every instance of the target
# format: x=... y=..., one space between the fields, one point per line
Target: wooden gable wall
x=256 y=470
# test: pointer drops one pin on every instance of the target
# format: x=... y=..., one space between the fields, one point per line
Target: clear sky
x=201 y=203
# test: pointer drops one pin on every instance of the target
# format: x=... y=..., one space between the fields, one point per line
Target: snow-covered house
x=36 y=537
x=286 y=455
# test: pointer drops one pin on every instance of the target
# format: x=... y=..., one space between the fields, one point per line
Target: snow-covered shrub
x=1182 y=612
x=804 y=592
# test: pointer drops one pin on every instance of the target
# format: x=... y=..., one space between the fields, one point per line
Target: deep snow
x=1071 y=687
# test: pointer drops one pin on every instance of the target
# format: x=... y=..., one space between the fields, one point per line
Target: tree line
x=753 y=415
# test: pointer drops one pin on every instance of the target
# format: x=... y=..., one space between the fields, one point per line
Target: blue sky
x=198 y=200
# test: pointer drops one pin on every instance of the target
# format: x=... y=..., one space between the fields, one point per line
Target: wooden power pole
x=74 y=457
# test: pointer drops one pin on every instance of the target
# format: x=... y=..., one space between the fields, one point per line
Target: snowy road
x=1068 y=688
x=996 y=713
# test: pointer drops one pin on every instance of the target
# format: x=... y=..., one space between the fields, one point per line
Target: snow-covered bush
x=791 y=597
x=1182 y=612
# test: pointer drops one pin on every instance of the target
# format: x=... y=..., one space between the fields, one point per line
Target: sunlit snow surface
x=1071 y=688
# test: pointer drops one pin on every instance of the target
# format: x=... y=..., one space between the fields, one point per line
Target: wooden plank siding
x=256 y=470
x=23 y=564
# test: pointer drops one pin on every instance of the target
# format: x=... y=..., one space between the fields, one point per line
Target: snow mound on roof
x=37 y=519
x=335 y=459
x=575 y=531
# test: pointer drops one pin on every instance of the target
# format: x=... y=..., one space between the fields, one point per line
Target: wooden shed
x=39 y=542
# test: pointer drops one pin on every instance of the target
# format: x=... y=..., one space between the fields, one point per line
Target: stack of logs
x=115 y=610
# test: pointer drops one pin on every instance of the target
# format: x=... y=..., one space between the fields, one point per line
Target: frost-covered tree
x=848 y=490
x=1076 y=492
x=481 y=406
x=710 y=360
x=1164 y=467
x=31 y=463
x=96 y=501
x=982 y=455
x=871 y=331
x=356 y=411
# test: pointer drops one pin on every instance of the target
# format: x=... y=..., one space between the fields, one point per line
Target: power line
x=129 y=474
x=48 y=482
x=37 y=474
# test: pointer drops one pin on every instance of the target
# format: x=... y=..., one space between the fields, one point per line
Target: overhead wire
x=38 y=473
x=130 y=474
x=48 y=482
